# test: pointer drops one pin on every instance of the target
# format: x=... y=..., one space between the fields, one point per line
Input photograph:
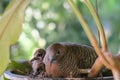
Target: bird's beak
x=51 y=60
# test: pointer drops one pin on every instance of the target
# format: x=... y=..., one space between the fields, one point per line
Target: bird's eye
x=58 y=52
x=39 y=55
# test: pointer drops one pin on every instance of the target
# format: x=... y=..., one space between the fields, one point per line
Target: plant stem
x=97 y=66
x=99 y=25
x=88 y=32
x=116 y=75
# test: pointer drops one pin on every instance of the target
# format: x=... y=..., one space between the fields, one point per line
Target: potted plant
x=15 y=12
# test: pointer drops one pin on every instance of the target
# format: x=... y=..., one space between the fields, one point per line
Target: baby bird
x=65 y=59
x=37 y=62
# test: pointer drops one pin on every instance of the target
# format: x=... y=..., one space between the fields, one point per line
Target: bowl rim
x=8 y=74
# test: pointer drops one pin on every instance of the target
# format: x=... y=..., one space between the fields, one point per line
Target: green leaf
x=4 y=78
x=20 y=67
x=10 y=29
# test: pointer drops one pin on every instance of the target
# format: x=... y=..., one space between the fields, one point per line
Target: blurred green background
x=49 y=21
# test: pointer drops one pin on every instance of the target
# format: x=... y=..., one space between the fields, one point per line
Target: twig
x=83 y=71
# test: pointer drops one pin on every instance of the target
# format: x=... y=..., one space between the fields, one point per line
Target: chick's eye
x=39 y=55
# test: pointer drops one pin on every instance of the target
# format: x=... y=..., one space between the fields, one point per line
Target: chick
x=38 y=67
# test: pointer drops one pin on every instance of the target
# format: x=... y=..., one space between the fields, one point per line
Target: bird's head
x=55 y=52
x=40 y=53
